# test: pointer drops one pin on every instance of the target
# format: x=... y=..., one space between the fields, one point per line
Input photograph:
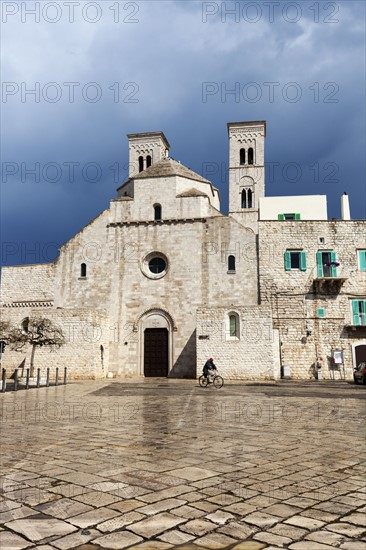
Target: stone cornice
x=172 y=221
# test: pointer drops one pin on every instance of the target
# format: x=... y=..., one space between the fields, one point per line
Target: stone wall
x=252 y=355
x=33 y=283
x=295 y=296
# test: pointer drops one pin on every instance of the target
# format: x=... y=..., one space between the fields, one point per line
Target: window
x=148 y=161
x=25 y=325
x=83 y=270
x=321 y=312
x=231 y=263
x=250 y=155
x=141 y=164
x=289 y=217
x=157 y=265
x=244 y=199
x=359 y=312
x=242 y=157
x=232 y=326
x=362 y=259
x=326 y=263
x=295 y=259
x=157 y=212
x=250 y=198
x=233 y=329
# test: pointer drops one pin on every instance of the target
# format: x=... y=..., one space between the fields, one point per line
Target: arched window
x=231 y=263
x=25 y=325
x=244 y=199
x=242 y=157
x=141 y=164
x=250 y=155
x=157 y=212
x=148 y=161
x=83 y=270
x=250 y=198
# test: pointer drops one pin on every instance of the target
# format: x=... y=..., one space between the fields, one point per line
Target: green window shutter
x=281 y=216
x=319 y=264
x=364 y=312
x=362 y=255
x=321 y=312
x=356 y=312
x=297 y=216
x=303 y=261
x=333 y=258
x=287 y=257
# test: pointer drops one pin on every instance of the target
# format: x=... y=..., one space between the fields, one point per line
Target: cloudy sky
x=78 y=76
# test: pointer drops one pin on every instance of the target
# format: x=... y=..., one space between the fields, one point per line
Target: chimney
x=346 y=214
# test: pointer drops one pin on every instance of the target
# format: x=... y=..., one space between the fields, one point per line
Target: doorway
x=156 y=352
x=360 y=354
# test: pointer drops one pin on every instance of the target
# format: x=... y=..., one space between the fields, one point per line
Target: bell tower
x=246 y=170
x=146 y=149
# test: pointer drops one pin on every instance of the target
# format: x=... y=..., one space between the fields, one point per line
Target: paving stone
x=214 y=540
x=237 y=530
x=250 y=545
x=326 y=537
x=6 y=505
x=63 y=508
x=286 y=530
x=355 y=519
x=198 y=527
x=11 y=541
x=192 y=473
x=224 y=499
x=320 y=515
x=346 y=529
x=309 y=545
x=261 y=519
x=188 y=512
x=153 y=545
x=92 y=517
x=75 y=539
x=176 y=537
x=119 y=522
x=118 y=540
x=161 y=506
x=205 y=506
x=221 y=517
x=282 y=510
x=152 y=526
x=37 y=529
x=97 y=499
x=307 y=523
x=271 y=538
x=241 y=508
x=17 y=513
x=353 y=545
x=126 y=505
x=165 y=493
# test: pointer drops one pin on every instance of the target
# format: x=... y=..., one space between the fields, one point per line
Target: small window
x=231 y=263
x=25 y=325
x=232 y=323
x=250 y=198
x=141 y=164
x=157 y=212
x=250 y=155
x=321 y=312
x=359 y=312
x=321 y=240
x=83 y=270
x=326 y=263
x=242 y=157
x=157 y=265
x=289 y=217
x=295 y=259
x=148 y=161
x=362 y=259
x=244 y=199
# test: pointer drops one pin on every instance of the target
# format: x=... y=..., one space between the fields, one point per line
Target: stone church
x=162 y=279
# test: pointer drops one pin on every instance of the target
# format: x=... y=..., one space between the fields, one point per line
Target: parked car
x=359 y=374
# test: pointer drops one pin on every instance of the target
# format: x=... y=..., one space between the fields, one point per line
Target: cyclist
x=209 y=365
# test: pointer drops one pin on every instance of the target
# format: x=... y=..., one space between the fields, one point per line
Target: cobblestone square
x=166 y=464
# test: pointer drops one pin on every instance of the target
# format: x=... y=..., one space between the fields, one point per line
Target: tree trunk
x=31 y=371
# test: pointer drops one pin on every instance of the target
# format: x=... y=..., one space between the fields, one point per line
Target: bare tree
x=36 y=331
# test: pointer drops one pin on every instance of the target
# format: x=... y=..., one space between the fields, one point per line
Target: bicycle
x=212 y=378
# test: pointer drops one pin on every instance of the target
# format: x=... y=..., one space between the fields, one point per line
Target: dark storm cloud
x=182 y=68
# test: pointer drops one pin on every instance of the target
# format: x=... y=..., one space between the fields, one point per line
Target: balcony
x=331 y=280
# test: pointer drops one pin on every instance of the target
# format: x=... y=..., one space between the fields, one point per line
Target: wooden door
x=156 y=362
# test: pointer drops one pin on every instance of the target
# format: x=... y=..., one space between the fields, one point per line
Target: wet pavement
x=163 y=463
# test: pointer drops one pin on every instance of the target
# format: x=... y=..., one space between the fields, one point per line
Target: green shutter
x=287 y=261
x=333 y=269
x=319 y=264
x=364 y=312
x=281 y=216
x=321 y=312
x=362 y=255
x=303 y=261
x=356 y=312
x=297 y=216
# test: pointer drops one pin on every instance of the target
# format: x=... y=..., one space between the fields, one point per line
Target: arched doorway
x=359 y=353
x=155 y=344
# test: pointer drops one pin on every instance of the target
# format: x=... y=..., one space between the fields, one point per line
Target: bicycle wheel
x=203 y=381
x=218 y=382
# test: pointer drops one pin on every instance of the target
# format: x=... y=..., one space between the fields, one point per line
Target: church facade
x=162 y=280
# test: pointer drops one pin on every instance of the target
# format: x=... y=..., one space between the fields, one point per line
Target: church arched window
x=242 y=157
x=232 y=326
x=148 y=161
x=157 y=211
x=141 y=164
x=250 y=198
x=250 y=155
x=231 y=263
x=83 y=270
x=244 y=199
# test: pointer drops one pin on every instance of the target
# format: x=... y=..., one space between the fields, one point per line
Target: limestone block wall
x=27 y=282
x=85 y=331
x=253 y=355
x=295 y=298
